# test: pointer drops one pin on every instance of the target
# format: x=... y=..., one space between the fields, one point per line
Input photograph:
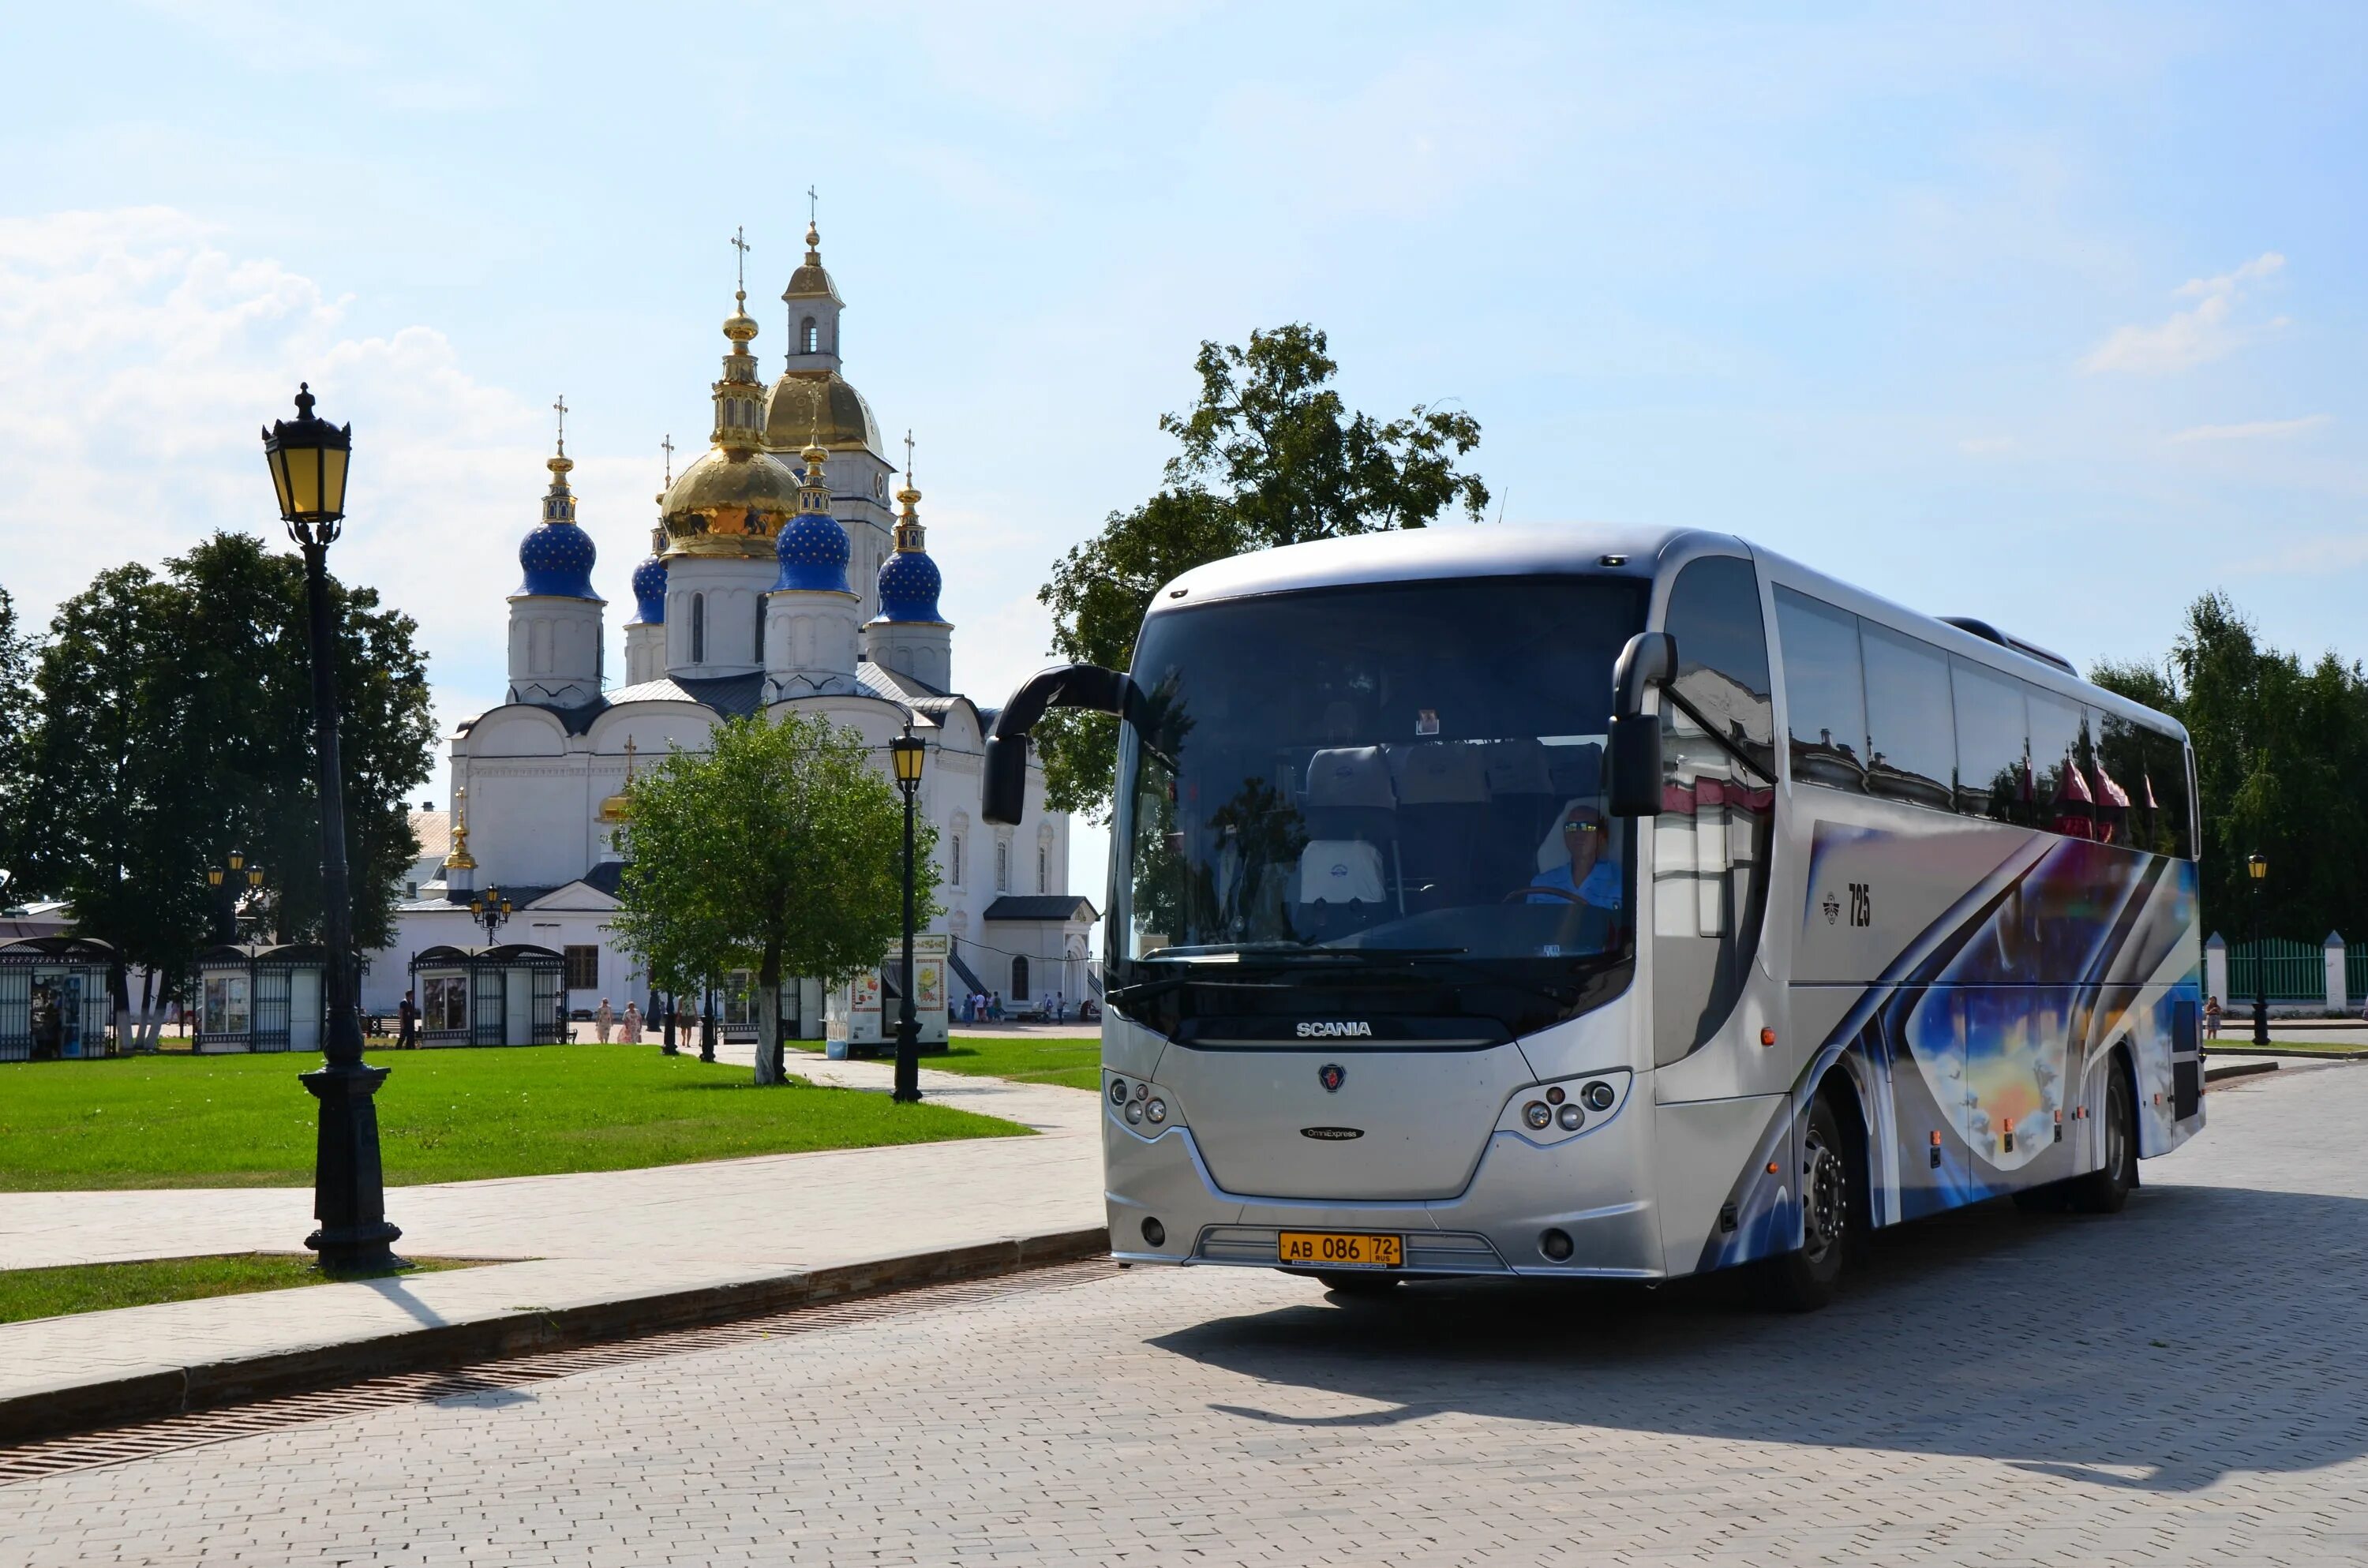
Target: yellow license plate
x=1338 y=1249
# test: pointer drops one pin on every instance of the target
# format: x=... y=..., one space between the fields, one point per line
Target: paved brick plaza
x=2180 y=1385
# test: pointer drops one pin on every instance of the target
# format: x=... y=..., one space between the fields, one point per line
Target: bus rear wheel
x=2106 y=1189
x=1804 y=1280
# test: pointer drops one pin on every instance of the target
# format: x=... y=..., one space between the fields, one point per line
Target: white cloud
x=2258 y=429
x=2193 y=337
x=138 y=359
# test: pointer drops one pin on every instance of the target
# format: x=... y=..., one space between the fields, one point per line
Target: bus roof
x=1593 y=548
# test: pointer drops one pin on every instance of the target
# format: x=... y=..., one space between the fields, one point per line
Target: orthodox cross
x=668 y=445
x=812 y=205
x=908 y=460
x=740 y=244
x=629 y=760
x=561 y=404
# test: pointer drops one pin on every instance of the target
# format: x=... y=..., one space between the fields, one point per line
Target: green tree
x=173 y=723
x=778 y=849
x=16 y=704
x=2280 y=748
x=1269 y=455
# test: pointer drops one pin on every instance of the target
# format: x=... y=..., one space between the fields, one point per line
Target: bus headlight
x=1539 y=1115
x=1570 y=1116
x=1599 y=1095
x=1134 y=1112
x=1154 y=1111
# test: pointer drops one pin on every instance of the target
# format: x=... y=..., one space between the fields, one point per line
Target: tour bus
x=1616 y=905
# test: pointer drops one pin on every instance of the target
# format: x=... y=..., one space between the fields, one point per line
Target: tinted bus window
x=1825 y=694
x=1990 y=752
x=2116 y=774
x=2172 y=827
x=1723 y=651
x=2060 y=796
x=1911 y=746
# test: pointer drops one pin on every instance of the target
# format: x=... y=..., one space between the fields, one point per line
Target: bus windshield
x=1364 y=777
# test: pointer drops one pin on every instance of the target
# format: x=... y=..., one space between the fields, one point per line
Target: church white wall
x=644 y=653
x=554 y=649
x=809 y=645
x=726 y=595
x=924 y=650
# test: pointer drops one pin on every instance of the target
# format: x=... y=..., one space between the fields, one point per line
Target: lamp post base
x=348 y=1194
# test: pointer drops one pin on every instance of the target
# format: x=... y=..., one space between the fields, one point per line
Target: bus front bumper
x=1518 y=1206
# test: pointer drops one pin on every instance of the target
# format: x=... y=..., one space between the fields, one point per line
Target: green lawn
x=1023 y=1059
x=454 y=1115
x=96 y=1287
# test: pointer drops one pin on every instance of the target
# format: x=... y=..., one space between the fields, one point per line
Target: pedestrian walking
x=2212 y=1018
x=995 y=1006
x=1058 y=1004
x=633 y=1023
x=604 y=1020
x=406 y=1024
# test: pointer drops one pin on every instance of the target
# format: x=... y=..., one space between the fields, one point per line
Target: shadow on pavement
x=2204 y=1330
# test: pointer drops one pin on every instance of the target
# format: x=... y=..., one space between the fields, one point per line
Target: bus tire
x=1357 y=1282
x=2105 y=1190
x=1832 y=1182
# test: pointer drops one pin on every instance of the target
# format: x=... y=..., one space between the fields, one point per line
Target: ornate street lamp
x=308 y=457
x=491 y=910
x=2257 y=872
x=225 y=883
x=909 y=752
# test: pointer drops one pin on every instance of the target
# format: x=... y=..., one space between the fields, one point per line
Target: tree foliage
x=2280 y=751
x=168 y=722
x=779 y=850
x=1269 y=455
x=15 y=740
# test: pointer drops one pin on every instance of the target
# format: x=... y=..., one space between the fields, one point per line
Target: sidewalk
x=603 y=1245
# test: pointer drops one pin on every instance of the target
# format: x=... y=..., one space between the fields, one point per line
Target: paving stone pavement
x=600 y=1235
x=2177 y=1384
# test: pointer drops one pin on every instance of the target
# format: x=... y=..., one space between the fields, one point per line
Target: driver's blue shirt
x=1600 y=889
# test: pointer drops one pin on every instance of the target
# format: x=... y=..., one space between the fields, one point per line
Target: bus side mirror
x=1003 y=783
x=1634 y=748
x=1003 y=786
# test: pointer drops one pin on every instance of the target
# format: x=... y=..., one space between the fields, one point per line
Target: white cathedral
x=779 y=578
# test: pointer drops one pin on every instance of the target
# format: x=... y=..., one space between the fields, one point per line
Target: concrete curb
x=2240 y=1070
x=150 y=1396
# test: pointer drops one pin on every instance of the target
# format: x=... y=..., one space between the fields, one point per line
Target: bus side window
x=1992 y=779
x=2166 y=778
x=2117 y=769
x=1824 y=692
x=1709 y=842
x=1911 y=747
x=2059 y=796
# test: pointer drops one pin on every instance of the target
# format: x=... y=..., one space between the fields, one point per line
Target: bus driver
x=1586 y=878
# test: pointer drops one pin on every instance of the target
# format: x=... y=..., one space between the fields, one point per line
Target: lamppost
x=2257 y=871
x=225 y=883
x=491 y=910
x=909 y=752
x=308 y=457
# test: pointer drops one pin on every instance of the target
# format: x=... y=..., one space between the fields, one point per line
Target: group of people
x=606 y=1020
x=982 y=1008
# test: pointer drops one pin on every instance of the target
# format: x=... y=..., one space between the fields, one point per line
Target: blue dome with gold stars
x=909 y=584
x=649 y=593
x=812 y=547
x=557 y=558
x=909 y=581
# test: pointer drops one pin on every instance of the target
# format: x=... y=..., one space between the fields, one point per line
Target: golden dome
x=730 y=503
x=807 y=405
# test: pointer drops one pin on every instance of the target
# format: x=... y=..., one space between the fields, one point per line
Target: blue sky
x=2054 y=321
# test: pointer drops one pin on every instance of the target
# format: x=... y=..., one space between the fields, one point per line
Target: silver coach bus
x=1627 y=905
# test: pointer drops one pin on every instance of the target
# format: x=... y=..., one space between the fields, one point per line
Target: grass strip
x=27 y=1293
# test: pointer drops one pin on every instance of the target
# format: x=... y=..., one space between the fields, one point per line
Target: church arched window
x=1019 y=978
x=810 y=335
x=953 y=858
x=1002 y=866
x=698 y=629
x=1043 y=869
x=760 y=655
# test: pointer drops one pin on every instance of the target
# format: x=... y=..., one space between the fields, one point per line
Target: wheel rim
x=1825 y=1194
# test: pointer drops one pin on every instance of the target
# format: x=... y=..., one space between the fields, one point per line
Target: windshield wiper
x=1290 y=952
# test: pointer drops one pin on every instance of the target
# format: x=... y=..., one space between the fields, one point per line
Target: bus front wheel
x=1804 y=1280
